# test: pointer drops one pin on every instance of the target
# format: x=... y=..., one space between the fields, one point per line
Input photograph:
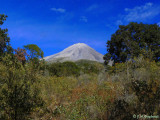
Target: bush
x=19 y=95
x=140 y=79
x=88 y=67
x=63 y=69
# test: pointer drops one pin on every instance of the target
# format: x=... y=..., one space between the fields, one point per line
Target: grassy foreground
x=84 y=91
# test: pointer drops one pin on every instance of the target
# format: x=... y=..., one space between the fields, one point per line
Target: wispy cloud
x=140 y=13
x=83 y=19
x=60 y=10
x=92 y=7
x=119 y=22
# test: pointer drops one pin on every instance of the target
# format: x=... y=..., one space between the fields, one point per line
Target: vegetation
x=141 y=89
x=131 y=40
x=4 y=39
x=18 y=94
x=88 y=66
x=34 y=50
x=69 y=68
x=31 y=89
x=63 y=69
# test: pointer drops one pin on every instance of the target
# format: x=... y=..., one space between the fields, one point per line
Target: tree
x=4 y=39
x=131 y=40
x=35 y=53
x=21 y=55
x=19 y=96
x=64 y=69
x=34 y=50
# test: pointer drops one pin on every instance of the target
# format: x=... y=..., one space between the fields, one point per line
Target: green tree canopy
x=4 y=39
x=131 y=40
x=35 y=51
x=63 y=69
x=19 y=96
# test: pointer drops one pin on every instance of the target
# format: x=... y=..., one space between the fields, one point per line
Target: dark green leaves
x=128 y=42
x=4 y=39
x=35 y=51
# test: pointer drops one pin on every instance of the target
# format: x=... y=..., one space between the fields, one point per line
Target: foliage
x=21 y=55
x=83 y=90
x=67 y=99
x=140 y=79
x=18 y=96
x=88 y=67
x=64 y=69
x=34 y=51
x=69 y=68
x=128 y=42
x=4 y=39
x=19 y=93
x=146 y=101
x=116 y=94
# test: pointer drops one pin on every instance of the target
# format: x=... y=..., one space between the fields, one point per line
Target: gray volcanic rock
x=76 y=52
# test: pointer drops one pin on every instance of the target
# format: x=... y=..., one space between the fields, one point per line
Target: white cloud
x=60 y=10
x=140 y=13
x=84 y=19
x=146 y=6
x=92 y=7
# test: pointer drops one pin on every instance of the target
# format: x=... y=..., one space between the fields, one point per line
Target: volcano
x=76 y=52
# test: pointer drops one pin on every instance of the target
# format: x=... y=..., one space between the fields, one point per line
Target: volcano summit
x=76 y=52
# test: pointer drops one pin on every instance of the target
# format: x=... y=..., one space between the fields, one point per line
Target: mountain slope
x=76 y=52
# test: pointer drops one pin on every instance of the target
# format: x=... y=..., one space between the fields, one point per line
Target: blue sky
x=56 y=24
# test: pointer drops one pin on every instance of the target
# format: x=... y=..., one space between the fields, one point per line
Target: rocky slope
x=76 y=52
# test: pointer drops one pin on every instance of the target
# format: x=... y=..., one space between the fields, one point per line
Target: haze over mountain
x=76 y=52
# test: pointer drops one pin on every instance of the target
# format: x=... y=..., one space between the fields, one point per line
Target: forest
x=32 y=89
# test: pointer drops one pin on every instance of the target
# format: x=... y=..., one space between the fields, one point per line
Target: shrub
x=63 y=69
x=18 y=94
x=88 y=67
x=140 y=79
